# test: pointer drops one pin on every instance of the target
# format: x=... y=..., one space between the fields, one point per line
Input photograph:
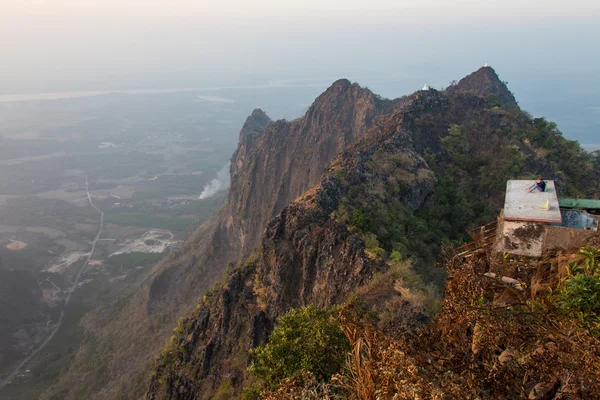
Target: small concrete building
x=534 y=222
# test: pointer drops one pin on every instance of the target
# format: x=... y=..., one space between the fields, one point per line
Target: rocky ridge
x=288 y=226
x=313 y=253
x=273 y=165
x=307 y=257
x=483 y=83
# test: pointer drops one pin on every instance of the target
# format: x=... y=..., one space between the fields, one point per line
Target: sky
x=49 y=45
x=470 y=8
x=71 y=45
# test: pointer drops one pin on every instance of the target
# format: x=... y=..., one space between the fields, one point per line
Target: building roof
x=521 y=205
x=585 y=204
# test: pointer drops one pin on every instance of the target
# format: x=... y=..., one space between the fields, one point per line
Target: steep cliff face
x=308 y=257
x=271 y=169
x=275 y=163
x=484 y=82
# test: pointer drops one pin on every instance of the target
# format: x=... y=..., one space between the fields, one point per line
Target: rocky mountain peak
x=255 y=124
x=274 y=167
x=484 y=82
x=342 y=92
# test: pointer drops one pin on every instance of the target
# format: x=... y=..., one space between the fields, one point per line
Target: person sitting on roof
x=537 y=185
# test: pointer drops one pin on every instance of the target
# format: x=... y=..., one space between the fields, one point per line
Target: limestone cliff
x=307 y=256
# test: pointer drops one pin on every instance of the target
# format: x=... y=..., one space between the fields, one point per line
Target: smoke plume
x=220 y=183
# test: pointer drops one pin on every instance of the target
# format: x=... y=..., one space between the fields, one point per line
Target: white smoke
x=220 y=183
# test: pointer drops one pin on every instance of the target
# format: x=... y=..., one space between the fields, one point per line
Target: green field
x=149 y=221
x=132 y=260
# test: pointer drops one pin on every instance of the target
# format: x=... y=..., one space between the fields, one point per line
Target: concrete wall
x=534 y=238
x=566 y=238
x=521 y=238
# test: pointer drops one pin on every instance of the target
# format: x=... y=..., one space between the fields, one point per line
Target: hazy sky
x=59 y=45
x=468 y=8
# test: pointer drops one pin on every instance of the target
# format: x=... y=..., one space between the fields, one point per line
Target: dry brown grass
x=306 y=387
x=477 y=347
x=398 y=292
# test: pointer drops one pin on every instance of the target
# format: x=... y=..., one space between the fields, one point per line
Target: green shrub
x=590 y=258
x=252 y=392
x=359 y=219
x=305 y=339
x=396 y=256
x=372 y=245
x=581 y=295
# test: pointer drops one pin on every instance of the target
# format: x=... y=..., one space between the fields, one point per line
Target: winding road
x=14 y=373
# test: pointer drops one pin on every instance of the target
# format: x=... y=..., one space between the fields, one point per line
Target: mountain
x=317 y=208
x=484 y=83
x=306 y=257
x=274 y=163
x=421 y=175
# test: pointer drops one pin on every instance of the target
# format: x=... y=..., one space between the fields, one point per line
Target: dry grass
x=476 y=347
x=398 y=291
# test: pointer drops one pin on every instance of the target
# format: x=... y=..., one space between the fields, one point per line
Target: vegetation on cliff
x=305 y=339
x=494 y=337
x=412 y=185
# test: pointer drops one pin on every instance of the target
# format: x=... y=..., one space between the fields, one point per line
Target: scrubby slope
x=307 y=257
x=417 y=178
x=503 y=332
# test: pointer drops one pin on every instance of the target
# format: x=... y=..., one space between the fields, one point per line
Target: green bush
x=580 y=293
x=252 y=392
x=396 y=256
x=305 y=339
x=359 y=219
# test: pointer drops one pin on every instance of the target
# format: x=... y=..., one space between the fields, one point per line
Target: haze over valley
x=176 y=176
x=157 y=165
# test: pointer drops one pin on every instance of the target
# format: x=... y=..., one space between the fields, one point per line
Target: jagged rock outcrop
x=311 y=253
x=307 y=257
x=484 y=82
x=253 y=128
x=274 y=164
x=272 y=168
